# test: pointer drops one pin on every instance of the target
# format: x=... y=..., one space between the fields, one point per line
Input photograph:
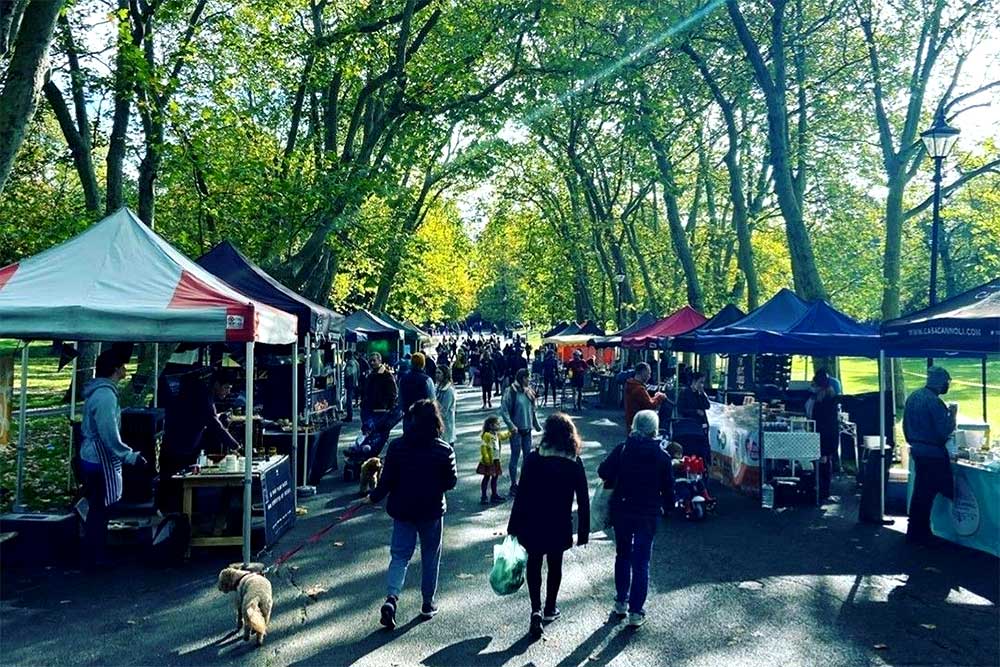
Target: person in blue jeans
x=517 y=408
x=643 y=481
x=419 y=469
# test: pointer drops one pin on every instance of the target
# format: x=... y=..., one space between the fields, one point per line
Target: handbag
x=600 y=501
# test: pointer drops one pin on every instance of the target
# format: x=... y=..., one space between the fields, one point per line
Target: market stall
x=119 y=281
x=574 y=337
x=814 y=329
x=655 y=335
x=382 y=337
x=967 y=325
x=318 y=329
x=413 y=337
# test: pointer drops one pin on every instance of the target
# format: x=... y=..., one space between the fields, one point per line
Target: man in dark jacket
x=419 y=468
x=415 y=385
x=927 y=425
x=643 y=482
x=380 y=389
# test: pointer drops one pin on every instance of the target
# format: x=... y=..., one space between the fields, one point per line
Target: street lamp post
x=619 y=281
x=938 y=140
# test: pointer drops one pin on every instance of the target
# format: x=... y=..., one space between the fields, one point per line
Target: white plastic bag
x=509 y=563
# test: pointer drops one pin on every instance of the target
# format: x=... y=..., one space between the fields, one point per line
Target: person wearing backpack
x=642 y=475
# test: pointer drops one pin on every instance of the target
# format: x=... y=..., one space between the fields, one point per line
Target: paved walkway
x=804 y=586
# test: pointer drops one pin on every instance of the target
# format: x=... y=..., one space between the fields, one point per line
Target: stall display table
x=272 y=486
x=794 y=446
x=973 y=518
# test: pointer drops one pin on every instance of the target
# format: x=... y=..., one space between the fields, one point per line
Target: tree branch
x=990 y=167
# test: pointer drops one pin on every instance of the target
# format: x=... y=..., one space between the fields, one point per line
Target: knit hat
x=937 y=378
x=417 y=361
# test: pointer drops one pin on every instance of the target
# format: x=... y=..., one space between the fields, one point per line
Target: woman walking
x=446 y=403
x=643 y=480
x=542 y=516
x=517 y=407
x=419 y=468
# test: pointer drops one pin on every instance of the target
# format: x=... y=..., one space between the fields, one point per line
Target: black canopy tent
x=228 y=263
x=315 y=323
x=966 y=325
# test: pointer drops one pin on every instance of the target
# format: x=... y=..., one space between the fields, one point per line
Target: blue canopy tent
x=778 y=314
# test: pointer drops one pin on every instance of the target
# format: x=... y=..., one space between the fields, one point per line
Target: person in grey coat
x=517 y=408
x=102 y=453
x=927 y=425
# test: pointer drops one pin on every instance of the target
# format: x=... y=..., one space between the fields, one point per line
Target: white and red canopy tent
x=119 y=281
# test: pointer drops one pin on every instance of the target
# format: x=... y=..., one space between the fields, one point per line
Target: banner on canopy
x=733 y=435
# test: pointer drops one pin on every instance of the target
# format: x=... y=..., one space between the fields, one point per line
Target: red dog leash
x=316 y=537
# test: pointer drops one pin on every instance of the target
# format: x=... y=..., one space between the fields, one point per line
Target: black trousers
x=932 y=476
x=95 y=528
x=553 y=580
x=349 y=392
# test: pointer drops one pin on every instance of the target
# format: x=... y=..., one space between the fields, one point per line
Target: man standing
x=380 y=389
x=103 y=452
x=637 y=397
x=927 y=425
x=415 y=385
x=693 y=402
x=517 y=408
x=578 y=373
x=192 y=426
x=352 y=373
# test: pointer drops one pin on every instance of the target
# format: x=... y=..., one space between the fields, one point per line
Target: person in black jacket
x=487 y=372
x=419 y=468
x=542 y=516
x=824 y=412
x=643 y=480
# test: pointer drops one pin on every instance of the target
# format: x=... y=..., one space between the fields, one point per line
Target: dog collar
x=240 y=580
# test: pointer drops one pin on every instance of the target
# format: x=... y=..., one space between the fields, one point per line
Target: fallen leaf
x=880 y=647
x=131 y=622
x=314 y=591
x=299 y=511
x=293 y=568
x=338 y=544
x=464 y=575
x=932 y=569
x=928 y=626
x=64 y=601
x=750 y=585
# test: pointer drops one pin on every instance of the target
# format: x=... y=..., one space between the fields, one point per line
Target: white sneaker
x=636 y=620
x=620 y=608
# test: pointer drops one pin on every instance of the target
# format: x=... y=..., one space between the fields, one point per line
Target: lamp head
x=940 y=137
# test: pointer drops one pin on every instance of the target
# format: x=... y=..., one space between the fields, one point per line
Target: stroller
x=372 y=440
x=691 y=494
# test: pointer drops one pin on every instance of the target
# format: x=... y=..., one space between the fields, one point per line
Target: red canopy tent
x=680 y=322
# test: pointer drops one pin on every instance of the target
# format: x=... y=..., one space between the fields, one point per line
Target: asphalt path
x=799 y=586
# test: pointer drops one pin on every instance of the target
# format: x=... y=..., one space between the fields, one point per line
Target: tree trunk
x=25 y=78
x=79 y=147
x=10 y=18
x=113 y=195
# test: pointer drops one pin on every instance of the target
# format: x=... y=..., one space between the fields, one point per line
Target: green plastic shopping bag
x=509 y=562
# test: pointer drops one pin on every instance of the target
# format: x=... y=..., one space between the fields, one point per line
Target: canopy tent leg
x=156 y=375
x=295 y=420
x=677 y=385
x=248 y=454
x=22 y=432
x=984 y=390
x=881 y=433
x=72 y=418
x=305 y=489
x=659 y=367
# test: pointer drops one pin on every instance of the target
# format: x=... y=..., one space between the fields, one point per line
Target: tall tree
x=25 y=76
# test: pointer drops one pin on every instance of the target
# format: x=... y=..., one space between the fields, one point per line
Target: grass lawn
x=46 y=457
x=861 y=375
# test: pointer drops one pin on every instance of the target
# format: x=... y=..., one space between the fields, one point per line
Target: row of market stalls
x=967 y=325
x=119 y=282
